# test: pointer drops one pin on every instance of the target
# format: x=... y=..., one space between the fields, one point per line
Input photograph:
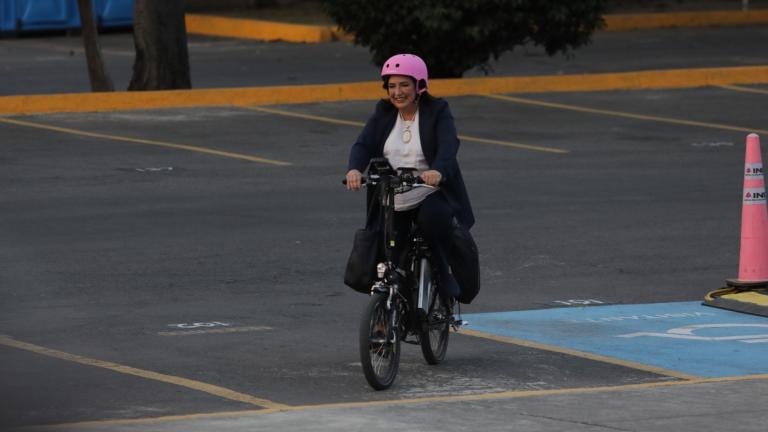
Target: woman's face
x=402 y=91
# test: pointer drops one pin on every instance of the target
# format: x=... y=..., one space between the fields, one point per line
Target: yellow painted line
x=305 y=116
x=581 y=354
x=168 y=379
x=626 y=115
x=85 y=425
x=397 y=402
x=623 y=22
x=744 y=89
x=258 y=29
x=360 y=124
x=523 y=393
x=214 y=331
x=144 y=141
x=514 y=145
x=371 y=90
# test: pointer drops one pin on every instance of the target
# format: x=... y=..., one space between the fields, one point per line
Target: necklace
x=407 y=127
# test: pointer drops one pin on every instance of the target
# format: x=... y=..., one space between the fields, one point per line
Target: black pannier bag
x=465 y=263
x=367 y=248
x=360 y=273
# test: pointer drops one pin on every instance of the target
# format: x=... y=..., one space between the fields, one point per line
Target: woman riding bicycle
x=412 y=129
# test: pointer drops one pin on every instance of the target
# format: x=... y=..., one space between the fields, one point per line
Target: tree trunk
x=100 y=80
x=160 y=37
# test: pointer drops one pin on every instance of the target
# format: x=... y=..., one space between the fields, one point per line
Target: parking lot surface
x=220 y=63
x=181 y=269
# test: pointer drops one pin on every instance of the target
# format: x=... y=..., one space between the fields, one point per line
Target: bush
x=453 y=36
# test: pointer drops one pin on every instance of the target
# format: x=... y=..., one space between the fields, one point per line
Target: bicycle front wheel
x=379 y=343
x=434 y=332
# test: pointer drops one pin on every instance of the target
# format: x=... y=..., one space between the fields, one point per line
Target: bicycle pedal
x=456 y=324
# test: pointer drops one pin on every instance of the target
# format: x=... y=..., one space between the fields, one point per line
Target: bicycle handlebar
x=407 y=180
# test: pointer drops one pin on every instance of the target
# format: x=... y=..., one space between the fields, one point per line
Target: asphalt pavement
x=181 y=269
x=220 y=63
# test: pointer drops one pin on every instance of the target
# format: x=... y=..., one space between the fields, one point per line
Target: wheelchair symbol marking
x=687 y=332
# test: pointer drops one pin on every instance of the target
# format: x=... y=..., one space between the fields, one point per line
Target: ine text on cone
x=753 y=256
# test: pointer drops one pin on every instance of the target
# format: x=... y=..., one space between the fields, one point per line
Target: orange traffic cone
x=753 y=256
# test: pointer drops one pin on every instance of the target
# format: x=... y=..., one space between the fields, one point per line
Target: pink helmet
x=407 y=65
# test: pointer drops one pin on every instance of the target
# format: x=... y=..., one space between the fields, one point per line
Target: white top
x=403 y=154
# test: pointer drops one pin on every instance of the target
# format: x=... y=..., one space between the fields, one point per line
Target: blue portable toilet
x=31 y=15
x=114 y=13
x=20 y=15
x=6 y=17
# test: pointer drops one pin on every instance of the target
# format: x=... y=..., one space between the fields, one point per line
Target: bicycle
x=405 y=304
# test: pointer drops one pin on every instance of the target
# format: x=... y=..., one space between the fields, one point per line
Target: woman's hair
x=425 y=96
x=385 y=83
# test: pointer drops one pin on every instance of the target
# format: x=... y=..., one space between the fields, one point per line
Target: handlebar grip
x=362 y=181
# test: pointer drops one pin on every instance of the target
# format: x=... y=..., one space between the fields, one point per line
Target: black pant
x=434 y=218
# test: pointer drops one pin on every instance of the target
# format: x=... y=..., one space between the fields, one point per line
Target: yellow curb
x=244 y=28
x=623 y=22
x=259 y=30
x=672 y=78
x=123 y=101
x=120 y=101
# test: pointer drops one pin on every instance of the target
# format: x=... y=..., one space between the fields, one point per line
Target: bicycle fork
x=388 y=287
x=393 y=315
x=425 y=285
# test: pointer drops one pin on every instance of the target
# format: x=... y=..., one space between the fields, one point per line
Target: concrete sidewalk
x=707 y=405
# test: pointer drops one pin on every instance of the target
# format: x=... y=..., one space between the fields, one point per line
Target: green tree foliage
x=453 y=36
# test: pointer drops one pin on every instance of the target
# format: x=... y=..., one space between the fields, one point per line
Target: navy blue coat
x=438 y=142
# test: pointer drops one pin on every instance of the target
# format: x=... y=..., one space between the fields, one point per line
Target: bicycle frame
x=394 y=281
x=403 y=300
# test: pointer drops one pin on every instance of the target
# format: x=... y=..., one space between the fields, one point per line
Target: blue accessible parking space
x=686 y=337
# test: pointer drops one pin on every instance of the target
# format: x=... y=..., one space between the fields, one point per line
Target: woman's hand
x=431 y=177
x=354 y=179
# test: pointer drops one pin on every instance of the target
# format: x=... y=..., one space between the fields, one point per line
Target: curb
x=242 y=28
x=625 y=22
x=125 y=101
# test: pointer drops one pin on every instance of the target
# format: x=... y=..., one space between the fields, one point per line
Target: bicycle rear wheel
x=433 y=335
x=379 y=343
